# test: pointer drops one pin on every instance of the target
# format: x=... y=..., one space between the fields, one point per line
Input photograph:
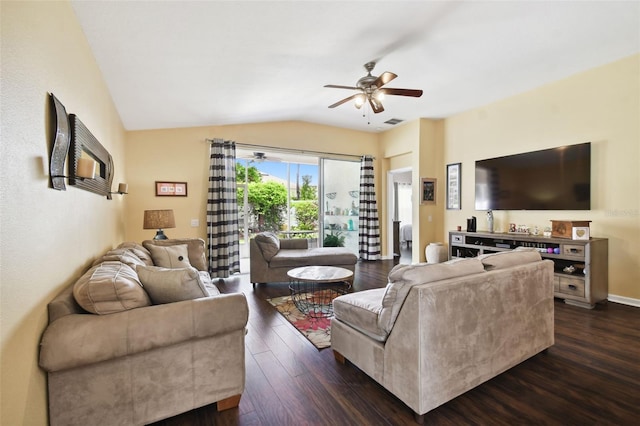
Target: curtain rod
x=294 y=151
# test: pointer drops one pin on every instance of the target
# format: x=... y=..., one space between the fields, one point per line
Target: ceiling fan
x=259 y=157
x=370 y=89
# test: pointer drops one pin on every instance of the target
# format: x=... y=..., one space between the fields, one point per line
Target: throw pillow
x=137 y=249
x=269 y=244
x=205 y=277
x=126 y=256
x=172 y=285
x=108 y=288
x=170 y=256
x=195 y=249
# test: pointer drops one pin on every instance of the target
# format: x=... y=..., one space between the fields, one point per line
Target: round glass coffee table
x=313 y=288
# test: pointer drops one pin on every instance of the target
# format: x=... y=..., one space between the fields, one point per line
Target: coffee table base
x=315 y=299
x=313 y=288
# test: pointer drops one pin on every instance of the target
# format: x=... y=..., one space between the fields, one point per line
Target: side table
x=313 y=288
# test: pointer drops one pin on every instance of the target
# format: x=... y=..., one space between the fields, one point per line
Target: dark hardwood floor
x=591 y=376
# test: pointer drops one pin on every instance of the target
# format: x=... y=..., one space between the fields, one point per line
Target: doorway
x=400 y=204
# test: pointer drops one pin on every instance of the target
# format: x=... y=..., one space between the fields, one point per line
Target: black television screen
x=550 y=179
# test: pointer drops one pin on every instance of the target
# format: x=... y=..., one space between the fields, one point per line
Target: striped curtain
x=223 y=243
x=369 y=225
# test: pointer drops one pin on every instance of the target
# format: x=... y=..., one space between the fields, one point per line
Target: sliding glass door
x=298 y=196
x=277 y=192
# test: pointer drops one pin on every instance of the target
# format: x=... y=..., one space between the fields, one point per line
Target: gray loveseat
x=272 y=258
x=132 y=342
x=439 y=330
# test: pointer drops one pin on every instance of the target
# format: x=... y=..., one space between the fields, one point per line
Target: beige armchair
x=439 y=330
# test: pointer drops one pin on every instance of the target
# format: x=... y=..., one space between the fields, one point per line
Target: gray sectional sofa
x=141 y=336
x=439 y=330
x=272 y=257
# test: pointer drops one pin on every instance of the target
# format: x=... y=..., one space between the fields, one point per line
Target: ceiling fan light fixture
x=369 y=89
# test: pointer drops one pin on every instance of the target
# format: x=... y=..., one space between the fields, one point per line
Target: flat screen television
x=550 y=179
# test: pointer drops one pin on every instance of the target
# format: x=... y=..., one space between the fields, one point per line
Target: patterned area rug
x=317 y=330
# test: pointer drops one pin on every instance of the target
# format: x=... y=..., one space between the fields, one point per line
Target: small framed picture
x=580 y=233
x=171 y=189
x=453 y=186
x=428 y=190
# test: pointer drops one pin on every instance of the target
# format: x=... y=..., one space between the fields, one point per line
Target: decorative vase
x=490 y=221
x=436 y=253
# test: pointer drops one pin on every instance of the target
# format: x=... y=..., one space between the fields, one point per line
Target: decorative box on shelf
x=571 y=229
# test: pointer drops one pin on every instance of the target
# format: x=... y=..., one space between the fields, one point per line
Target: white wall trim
x=624 y=300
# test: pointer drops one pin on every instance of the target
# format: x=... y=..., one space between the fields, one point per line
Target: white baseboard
x=624 y=300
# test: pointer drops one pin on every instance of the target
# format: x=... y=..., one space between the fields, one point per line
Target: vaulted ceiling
x=198 y=63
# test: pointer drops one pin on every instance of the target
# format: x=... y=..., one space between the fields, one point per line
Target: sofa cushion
x=108 y=288
x=269 y=244
x=175 y=256
x=506 y=259
x=168 y=285
x=361 y=310
x=195 y=248
x=403 y=277
x=123 y=255
x=139 y=250
x=317 y=256
x=294 y=243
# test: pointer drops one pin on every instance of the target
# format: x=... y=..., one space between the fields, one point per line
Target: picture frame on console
x=428 y=190
x=453 y=186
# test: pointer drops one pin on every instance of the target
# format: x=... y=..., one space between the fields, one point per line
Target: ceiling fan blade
x=336 y=86
x=383 y=79
x=343 y=101
x=376 y=106
x=402 y=92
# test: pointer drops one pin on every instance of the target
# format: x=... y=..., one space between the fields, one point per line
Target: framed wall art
x=453 y=186
x=85 y=145
x=428 y=190
x=171 y=189
x=59 y=145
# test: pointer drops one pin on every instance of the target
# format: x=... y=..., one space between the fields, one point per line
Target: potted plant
x=334 y=239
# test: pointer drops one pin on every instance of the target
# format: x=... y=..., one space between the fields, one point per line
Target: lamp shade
x=158 y=219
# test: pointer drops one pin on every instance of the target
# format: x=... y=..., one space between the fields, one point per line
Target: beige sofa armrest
x=81 y=339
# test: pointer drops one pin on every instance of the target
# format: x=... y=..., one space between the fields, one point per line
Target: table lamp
x=158 y=219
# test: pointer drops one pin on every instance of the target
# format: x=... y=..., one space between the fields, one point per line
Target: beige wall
x=183 y=155
x=601 y=105
x=47 y=236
